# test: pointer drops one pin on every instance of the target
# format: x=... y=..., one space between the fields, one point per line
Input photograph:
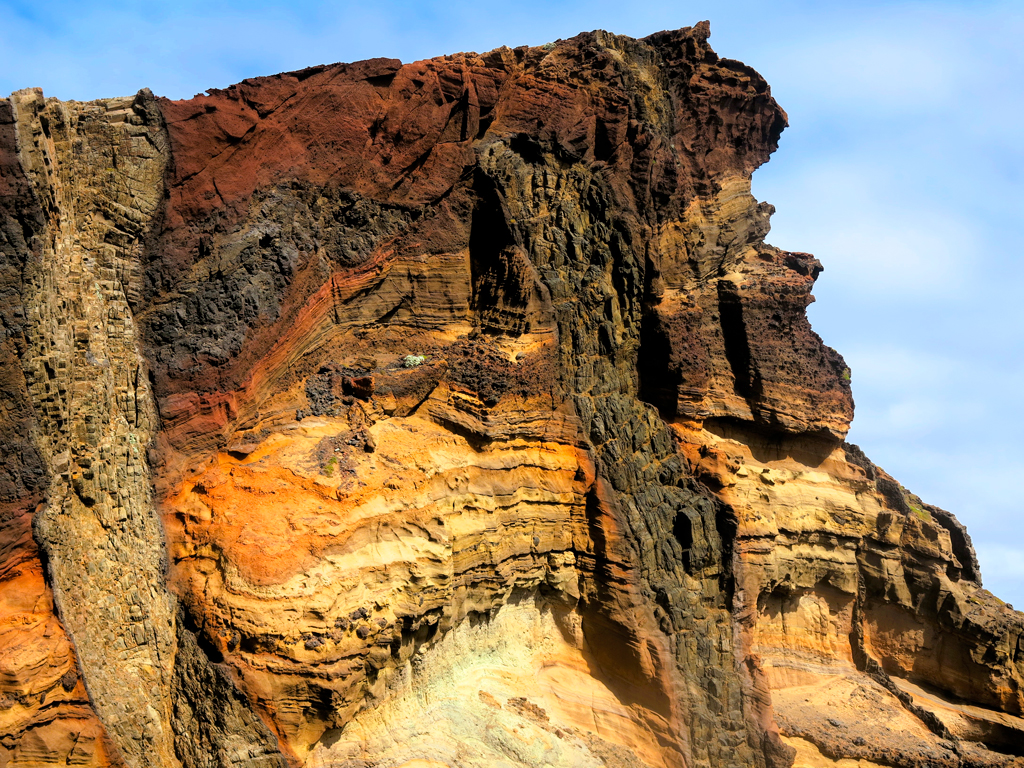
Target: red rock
x=476 y=412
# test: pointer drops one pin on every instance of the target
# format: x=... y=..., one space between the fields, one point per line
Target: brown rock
x=453 y=412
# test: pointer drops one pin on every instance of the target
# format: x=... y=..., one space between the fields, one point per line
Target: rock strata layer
x=453 y=413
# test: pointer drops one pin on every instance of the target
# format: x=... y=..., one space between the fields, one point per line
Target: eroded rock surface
x=453 y=413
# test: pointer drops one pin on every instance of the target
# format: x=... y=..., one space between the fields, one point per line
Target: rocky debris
x=454 y=412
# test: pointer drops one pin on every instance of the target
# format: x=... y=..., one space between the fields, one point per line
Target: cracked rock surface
x=453 y=413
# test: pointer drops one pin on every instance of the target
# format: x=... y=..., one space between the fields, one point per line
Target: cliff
x=453 y=413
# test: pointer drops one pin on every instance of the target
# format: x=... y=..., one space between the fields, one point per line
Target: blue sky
x=903 y=171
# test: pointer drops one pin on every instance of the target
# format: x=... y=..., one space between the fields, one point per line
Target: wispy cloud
x=877 y=242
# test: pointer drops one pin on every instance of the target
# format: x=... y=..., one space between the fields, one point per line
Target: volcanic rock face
x=453 y=413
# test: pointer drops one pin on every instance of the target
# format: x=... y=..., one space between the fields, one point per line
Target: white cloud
x=874 y=242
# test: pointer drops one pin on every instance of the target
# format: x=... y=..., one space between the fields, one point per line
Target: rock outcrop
x=453 y=413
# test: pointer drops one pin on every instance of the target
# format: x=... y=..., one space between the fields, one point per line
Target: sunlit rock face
x=453 y=413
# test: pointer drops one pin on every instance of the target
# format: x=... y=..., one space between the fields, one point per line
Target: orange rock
x=453 y=412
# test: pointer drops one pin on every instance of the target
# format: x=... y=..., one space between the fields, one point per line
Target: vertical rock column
x=97 y=171
x=45 y=716
x=595 y=280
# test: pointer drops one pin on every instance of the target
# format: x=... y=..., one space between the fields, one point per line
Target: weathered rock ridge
x=453 y=413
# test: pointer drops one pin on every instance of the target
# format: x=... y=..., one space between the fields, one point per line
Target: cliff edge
x=453 y=413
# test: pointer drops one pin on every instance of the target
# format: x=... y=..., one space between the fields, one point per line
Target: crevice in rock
x=658 y=380
x=737 y=345
x=215 y=725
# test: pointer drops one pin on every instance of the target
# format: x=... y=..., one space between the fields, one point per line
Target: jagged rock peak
x=453 y=413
